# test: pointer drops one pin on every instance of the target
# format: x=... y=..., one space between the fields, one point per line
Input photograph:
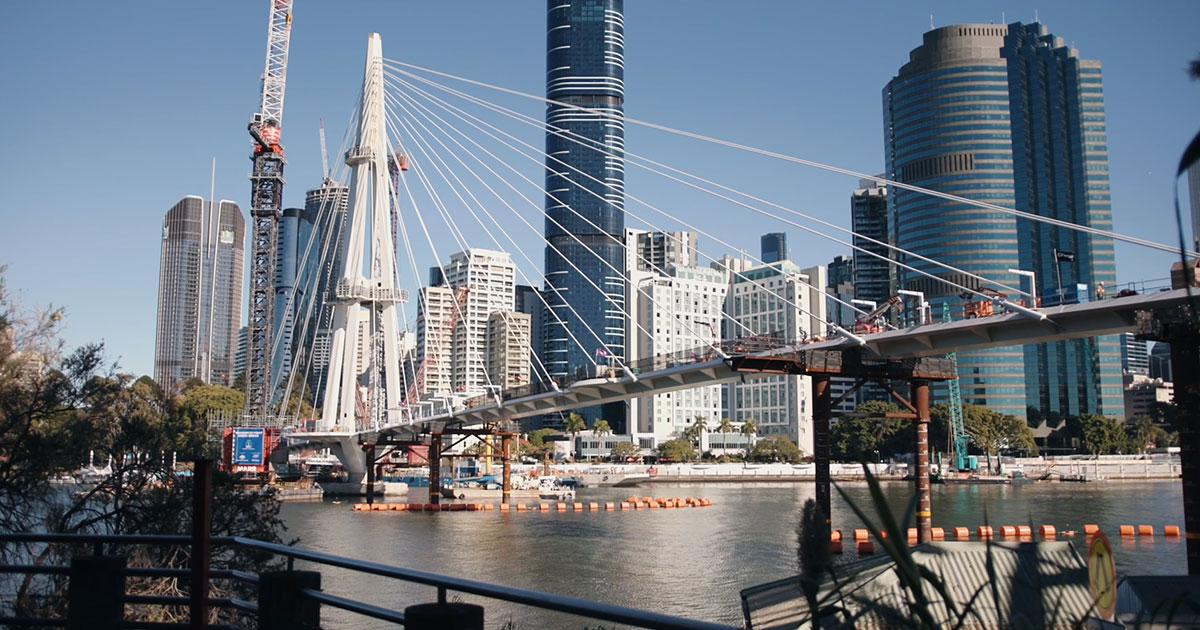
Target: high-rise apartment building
x=460 y=356
x=1008 y=115
x=1135 y=355
x=679 y=312
x=585 y=183
x=773 y=247
x=784 y=301
x=655 y=251
x=201 y=267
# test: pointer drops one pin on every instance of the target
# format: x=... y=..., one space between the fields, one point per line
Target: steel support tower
x=266 y=204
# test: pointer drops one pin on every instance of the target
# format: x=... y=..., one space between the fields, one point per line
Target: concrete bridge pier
x=351 y=455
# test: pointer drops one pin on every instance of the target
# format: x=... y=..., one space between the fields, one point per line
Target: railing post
x=453 y=616
x=95 y=589
x=282 y=606
x=201 y=522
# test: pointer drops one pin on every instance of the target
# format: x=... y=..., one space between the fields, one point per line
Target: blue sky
x=113 y=111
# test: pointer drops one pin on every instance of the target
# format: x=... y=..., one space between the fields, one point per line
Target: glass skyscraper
x=585 y=204
x=199 y=292
x=1007 y=115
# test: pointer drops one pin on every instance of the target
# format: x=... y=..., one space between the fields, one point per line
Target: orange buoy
x=835 y=535
x=911 y=533
x=835 y=546
x=631 y=499
x=520 y=507
x=504 y=507
x=471 y=507
x=984 y=531
x=882 y=533
x=1024 y=530
x=1171 y=530
x=1145 y=530
x=543 y=507
x=1008 y=531
x=648 y=499
x=1089 y=529
x=415 y=507
x=938 y=533
x=1047 y=531
x=358 y=507
x=429 y=507
x=398 y=507
x=625 y=506
x=608 y=505
x=865 y=547
x=962 y=533
x=652 y=506
x=1126 y=530
x=578 y=506
x=593 y=506
x=457 y=507
x=707 y=502
x=560 y=506
x=860 y=534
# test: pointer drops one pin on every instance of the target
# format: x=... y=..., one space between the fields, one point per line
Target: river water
x=691 y=561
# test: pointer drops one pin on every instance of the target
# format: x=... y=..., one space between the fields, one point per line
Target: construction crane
x=266 y=203
x=417 y=388
x=958 y=432
x=873 y=322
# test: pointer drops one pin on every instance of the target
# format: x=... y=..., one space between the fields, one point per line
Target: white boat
x=612 y=479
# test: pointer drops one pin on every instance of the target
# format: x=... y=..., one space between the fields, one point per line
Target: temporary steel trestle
x=435 y=439
x=822 y=365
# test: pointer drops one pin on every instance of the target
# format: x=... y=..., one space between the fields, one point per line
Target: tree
x=1141 y=432
x=601 y=429
x=574 y=425
x=775 y=448
x=1101 y=435
x=535 y=444
x=749 y=429
x=679 y=449
x=725 y=426
x=622 y=451
x=696 y=430
x=993 y=432
x=869 y=434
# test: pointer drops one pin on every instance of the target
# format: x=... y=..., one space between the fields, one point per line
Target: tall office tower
x=529 y=301
x=677 y=312
x=655 y=251
x=295 y=230
x=199 y=292
x=452 y=323
x=1160 y=361
x=778 y=299
x=840 y=275
x=874 y=272
x=774 y=247
x=1135 y=355
x=585 y=204
x=326 y=205
x=1193 y=177
x=1016 y=119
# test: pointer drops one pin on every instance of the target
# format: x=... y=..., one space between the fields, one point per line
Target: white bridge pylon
x=362 y=386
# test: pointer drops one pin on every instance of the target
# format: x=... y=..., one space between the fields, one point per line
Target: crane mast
x=266 y=204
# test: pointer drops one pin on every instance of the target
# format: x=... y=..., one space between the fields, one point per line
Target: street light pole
x=1032 y=282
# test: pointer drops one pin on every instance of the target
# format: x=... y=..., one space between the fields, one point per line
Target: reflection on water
x=691 y=561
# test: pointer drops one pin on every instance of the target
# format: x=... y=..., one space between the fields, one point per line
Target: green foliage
x=535 y=445
x=624 y=450
x=993 y=432
x=695 y=431
x=679 y=449
x=775 y=448
x=601 y=427
x=858 y=437
x=1101 y=435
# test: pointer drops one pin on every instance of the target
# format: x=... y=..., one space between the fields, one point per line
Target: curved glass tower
x=585 y=214
x=998 y=113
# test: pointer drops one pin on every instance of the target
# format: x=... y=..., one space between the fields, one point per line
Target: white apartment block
x=676 y=313
x=778 y=299
x=460 y=359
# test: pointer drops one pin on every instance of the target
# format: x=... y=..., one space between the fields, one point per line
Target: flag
x=601 y=353
x=1063 y=256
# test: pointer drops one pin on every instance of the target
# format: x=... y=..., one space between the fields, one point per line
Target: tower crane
x=266 y=202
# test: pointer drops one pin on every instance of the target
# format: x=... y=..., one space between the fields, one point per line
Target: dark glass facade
x=874 y=273
x=773 y=247
x=585 y=214
x=1007 y=115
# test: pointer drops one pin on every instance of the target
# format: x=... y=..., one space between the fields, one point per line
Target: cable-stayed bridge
x=406 y=140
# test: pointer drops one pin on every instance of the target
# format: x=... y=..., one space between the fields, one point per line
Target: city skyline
x=1147 y=89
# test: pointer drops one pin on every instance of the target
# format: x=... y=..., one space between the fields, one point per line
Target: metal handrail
x=537 y=599
x=443 y=583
